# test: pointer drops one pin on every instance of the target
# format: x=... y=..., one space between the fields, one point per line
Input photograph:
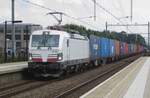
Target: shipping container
x=104 y=47
x=111 y=48
x=94 y=47
x=117 y=48
x=132 y=48
x=135 y=48
x=122 y=48
x=139 y=48
x=129 y=49
x=126 y=48
x=142 y=49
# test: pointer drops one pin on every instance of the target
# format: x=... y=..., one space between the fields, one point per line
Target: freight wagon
x=122 y=49
x=101 y=50
x=94 y=50
x=117 y=49
x=129 y=49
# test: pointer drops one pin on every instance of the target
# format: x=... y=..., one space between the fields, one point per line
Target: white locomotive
x=53 y=52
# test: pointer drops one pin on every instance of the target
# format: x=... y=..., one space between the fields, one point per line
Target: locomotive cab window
x=45 y=40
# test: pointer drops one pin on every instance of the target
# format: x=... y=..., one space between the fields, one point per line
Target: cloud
x=5 y=10
x=41 y=2
x=70 y=1
x=77 y=8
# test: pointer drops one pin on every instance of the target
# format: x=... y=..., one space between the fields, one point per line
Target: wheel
x=104 y=61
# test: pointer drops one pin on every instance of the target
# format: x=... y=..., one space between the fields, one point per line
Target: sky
x=78 y=9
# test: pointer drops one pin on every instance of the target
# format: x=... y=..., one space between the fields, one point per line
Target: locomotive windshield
x=45 y=40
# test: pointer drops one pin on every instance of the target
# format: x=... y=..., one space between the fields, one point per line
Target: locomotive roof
x=62 y=33
x=50 y=31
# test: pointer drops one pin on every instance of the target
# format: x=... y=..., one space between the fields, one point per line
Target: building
x=22 y=33
x=1 y=43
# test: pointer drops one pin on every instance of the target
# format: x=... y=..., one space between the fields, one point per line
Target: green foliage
x=121 y=36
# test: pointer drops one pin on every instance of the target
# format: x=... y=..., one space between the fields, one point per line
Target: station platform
x=12 y=67
x=131 y=82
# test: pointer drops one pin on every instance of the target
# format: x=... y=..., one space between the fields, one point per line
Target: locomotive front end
x=45 y=54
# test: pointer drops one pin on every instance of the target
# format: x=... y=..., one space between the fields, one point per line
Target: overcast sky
x=78 y=9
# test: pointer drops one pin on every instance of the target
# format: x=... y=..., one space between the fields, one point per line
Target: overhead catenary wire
x=100 y=6
x=122 y=8
x=85 y=17
x=85 y=5
x=115 y=17
x=27 y=1
x=80 y=21
x=72 y=17
x=65 y=14
x=123 y=11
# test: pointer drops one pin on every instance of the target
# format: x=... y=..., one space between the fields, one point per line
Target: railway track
x=23 y=87
x=9 y=86
x=98 y=77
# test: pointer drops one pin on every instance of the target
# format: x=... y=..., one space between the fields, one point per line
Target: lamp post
x=27 y=39
x=131 y=10
x=13 y=37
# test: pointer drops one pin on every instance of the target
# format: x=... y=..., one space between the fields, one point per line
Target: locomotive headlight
x=30 y=56
x=59 y=56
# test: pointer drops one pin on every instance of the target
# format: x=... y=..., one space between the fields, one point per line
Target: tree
x=121 y=36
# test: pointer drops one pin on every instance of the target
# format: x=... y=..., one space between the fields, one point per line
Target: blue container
x=94 y=47
x=111 y=48
x=130 y=48
x=122 y=48
x=104 y=47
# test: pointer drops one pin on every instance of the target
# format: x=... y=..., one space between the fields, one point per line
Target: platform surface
x=12 y=67
x=131 y=82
